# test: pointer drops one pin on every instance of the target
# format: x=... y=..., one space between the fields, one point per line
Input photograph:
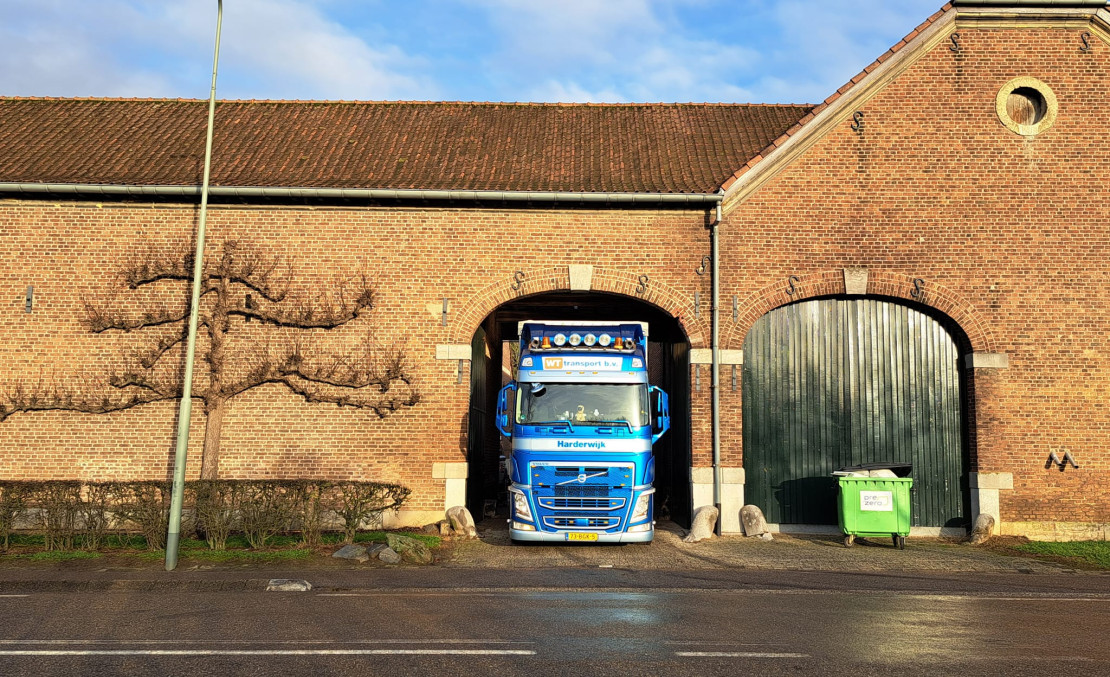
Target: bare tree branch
x=372 y=377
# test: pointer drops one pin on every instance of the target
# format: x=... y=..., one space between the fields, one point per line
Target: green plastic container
x=875 y=506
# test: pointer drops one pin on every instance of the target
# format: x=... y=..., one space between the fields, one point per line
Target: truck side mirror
x=662 y=422
x=504 y=414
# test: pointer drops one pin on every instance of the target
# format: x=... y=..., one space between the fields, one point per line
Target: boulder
x=703 y=525
x=389 y=556
x=433 y=528
x=462 y=522
x=355 y=552
x=373 y=549
x=983 y=529
x=444 y=529
x=751 y=517
x=410 y=549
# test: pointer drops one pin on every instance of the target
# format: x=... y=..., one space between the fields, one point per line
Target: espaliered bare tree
x=256 y=329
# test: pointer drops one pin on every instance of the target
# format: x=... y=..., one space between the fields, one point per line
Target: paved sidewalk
x=492 y=563
x=785 y=552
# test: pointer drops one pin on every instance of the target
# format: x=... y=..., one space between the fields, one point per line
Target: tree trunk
x=214 y=421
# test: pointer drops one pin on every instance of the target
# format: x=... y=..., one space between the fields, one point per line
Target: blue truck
x=582 y=418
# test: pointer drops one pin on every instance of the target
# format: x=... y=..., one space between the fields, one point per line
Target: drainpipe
x=715 y=377
x=173 y=535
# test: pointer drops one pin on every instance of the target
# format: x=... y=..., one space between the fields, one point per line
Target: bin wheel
x=849 y=540
x=899 y=541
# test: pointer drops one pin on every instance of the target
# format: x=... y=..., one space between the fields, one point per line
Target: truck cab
x=582 y=418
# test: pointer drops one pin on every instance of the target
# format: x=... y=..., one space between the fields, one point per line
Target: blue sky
x=784 y=51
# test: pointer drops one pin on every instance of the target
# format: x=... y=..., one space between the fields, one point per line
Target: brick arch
x=880 y=283
x=541 y=279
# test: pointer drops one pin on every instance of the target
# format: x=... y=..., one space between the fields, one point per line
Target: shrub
x=266 y=508
x=13 y=501
x=96 y=512
x=217 y=510
x=358 y=503
x=58 y=502
x=309 y=511
x=146 y=504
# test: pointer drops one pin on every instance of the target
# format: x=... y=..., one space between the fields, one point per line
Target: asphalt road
x=785 y=623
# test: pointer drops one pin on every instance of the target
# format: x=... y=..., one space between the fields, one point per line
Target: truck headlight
x=520 y=505
x=642 y=508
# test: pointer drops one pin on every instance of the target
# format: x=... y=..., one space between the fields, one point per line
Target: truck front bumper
x=561 y=537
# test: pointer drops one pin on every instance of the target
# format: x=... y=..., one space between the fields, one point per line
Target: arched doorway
x=668 y=363
x=835 y=382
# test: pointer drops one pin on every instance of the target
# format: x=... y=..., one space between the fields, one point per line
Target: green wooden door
x=837 y=382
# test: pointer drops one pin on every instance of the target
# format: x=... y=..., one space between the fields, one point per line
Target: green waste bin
x=875 y=506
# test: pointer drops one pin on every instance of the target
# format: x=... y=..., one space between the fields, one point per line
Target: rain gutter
x=122 y=190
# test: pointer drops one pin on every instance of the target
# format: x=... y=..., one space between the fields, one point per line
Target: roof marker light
x=589 y=339
x=575 y=339
x=560 y=339
x=546 y=342
x=604 y=340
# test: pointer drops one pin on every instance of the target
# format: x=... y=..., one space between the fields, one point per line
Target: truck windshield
x=584 y=404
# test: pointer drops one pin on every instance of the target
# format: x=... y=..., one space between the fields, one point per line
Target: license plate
x=581 y=536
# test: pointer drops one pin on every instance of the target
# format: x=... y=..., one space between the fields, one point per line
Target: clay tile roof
x=654 y=148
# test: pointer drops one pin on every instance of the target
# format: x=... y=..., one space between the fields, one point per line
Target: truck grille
x=561 y=503
x=582 y=491
x=566 y=476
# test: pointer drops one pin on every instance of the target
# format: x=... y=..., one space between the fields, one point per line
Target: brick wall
x=1010 y=234
x=69 y=251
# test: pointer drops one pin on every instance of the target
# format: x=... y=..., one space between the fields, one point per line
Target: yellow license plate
x=581 y=536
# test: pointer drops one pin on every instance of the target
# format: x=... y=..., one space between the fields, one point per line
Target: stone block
x=703 y=524
x=462 y=522
x=410 y=549
x=389 y=556
x=751 y=517
x=288 y=585
x=983 y=529
x=581 y=277
x=353 y=552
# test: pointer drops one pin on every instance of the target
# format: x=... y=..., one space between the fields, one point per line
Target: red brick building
x=913 y=270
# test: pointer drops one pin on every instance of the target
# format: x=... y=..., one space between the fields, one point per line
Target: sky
x=736 y=51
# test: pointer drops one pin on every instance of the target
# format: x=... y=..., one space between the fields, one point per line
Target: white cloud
x=554 y=90
x=620 y=49
x=55 y=48
x=269 y=49
x=289 y=48
x=819 y=46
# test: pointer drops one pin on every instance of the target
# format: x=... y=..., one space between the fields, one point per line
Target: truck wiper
x=561 y=421
x=617 y=421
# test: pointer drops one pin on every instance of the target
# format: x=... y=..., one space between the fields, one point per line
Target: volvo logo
x=582 y=478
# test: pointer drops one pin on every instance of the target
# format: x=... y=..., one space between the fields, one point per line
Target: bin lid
x=899 y=469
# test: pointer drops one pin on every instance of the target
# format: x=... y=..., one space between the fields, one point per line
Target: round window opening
x=1026 y=106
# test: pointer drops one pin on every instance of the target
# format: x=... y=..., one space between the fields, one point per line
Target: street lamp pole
x=173 y=535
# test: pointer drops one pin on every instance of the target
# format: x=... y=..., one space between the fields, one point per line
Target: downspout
x=715 y=377
x=173 y=534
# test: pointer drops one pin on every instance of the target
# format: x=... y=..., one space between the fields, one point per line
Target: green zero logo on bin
x=877 y=501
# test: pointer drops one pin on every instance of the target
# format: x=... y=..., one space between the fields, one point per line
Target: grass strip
x=1094 y=553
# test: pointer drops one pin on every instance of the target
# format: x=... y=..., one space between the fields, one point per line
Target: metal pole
x=715 y=377
x=173 y=535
